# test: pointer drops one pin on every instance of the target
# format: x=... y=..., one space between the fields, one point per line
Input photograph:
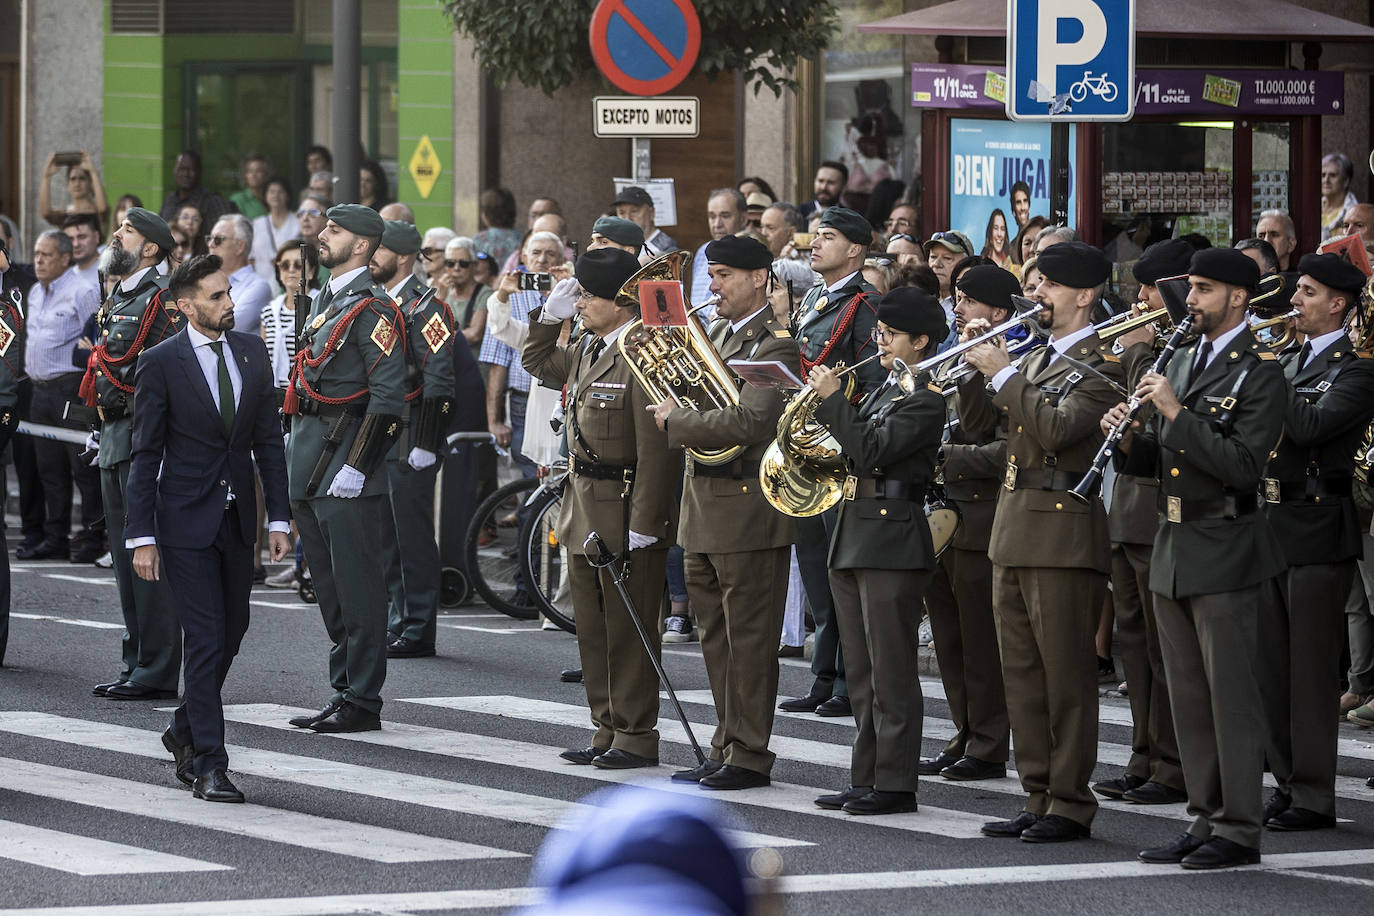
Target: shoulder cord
x=303 y=358
x=100 y=358
x=838 y=330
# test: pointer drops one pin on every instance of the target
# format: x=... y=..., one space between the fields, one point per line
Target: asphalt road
x=442 y=810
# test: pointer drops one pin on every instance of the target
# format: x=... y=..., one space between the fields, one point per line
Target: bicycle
x=543 y=558
x=492 y=550
x=1097 y=85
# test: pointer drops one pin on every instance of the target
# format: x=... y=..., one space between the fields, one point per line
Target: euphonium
x=678 y=364
x=1364 y=457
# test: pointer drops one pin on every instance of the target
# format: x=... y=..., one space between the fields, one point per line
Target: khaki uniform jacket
x=606 y=404
x=1053 y=412
x=1134 y=517
x=729 y=514
x=817 y=326
x=975 y=466
x=1196 y=461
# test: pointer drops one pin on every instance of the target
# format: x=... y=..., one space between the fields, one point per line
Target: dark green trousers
x=412 y=557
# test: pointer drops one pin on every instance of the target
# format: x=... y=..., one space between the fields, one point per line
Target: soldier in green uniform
x=412 y=558
x=1219 y=410
x=738 y=546
x=347 y=394
x=11 y=368
x=1308 y=498
x=133 y=319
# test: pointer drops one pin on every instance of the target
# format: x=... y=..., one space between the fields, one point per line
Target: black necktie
x=1203 y=352
x=595 y=350
x=226 y=388
x=1304 y=354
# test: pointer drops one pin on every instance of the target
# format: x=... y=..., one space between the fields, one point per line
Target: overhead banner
x=1001 y=166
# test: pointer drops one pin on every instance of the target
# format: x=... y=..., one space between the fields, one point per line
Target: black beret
x=1075 y=264
x=634 y=195
x=620 y=231
x=990 y=285
x=400 y=237
x=849 y=224
x=151 y=226
x=358 y=220
x=739 y=251
x=914 y=311
x=1225 y=265
x=1334 y=271
x=602 y=272
x=1168 y=258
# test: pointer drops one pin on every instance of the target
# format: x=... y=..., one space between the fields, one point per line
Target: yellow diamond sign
x=425 y=166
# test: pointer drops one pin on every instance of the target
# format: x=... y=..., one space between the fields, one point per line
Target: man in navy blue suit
x=204 y=412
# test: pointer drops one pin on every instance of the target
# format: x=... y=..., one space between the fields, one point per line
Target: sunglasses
x=289 y=265
x=219 y=239
x=905 y=237
x=309 y=212
x=952 y=237
x=450 y=263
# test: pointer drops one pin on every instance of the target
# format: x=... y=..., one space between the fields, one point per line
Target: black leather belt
x=873 y=488
x=1040 y=478
x=308 y=407
x=625 y=472
x=739 y=469
x=117 y=412
x=63 y=379
x=1232 y=505
x=1283 y=491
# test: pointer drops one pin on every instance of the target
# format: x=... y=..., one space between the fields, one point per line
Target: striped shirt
x=496 y=353
x=55 y=319
x=279 y=332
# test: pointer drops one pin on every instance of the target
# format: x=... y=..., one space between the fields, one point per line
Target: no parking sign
x=645 y=47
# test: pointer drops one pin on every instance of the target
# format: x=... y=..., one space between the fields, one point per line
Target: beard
x=116 y=262
x=383 y=275
x=329 y=259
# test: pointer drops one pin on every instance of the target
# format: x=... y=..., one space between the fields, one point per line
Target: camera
x=67 y=158
x=542 y=283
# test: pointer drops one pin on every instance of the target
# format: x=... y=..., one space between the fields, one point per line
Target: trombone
x=957 y=370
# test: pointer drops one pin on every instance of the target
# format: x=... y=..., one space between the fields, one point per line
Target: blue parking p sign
x=1070 y=60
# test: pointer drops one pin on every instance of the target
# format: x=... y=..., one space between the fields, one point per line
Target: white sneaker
x=924 y=636
x=106 y=561
x=284 y=579
x=678 y=629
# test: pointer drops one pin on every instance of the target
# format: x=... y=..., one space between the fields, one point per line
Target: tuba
x=679 y=364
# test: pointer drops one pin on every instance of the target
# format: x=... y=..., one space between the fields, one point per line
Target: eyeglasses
x=954 y=237
x=881 y=336
x=219 y=239
x=289 y=265
x=451 y=263
x=309 y=211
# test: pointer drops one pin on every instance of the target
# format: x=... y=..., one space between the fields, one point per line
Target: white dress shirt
x=1319 y=344
x=1218 y=345
x=339 y=282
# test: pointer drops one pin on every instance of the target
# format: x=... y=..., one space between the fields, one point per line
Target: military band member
x=1219 y=409
x=738 y=547
x=881 y=556
x=961 y=614
x=834 y=324
x=347 y=394
x=134 y=318
x=11 y=368
x=621 y=486
x=1153 y=774
x=1307 y=494
x=412 y=467
x=1050 y=553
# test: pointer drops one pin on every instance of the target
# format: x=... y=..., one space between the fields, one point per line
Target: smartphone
x=803 y=240
x=67 y=158
x=542 y=283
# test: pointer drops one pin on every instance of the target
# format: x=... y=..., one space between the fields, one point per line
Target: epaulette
x=1364 y=354
x=1108 y=357
x=782 y=333
x=935 y=388
x=1267 y=355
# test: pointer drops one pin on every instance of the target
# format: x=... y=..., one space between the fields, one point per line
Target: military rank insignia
x=6 y=336
x=435 y=332
x=384 y=336
x=319 y=321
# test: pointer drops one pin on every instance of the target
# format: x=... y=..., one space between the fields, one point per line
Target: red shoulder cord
x=100 y=359
x=838 y=331
x=291 y=402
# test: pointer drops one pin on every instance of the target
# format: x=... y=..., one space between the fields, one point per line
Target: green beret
x=1168 y=258
x=620 y=231
x=357 y=219
x=1332 y=270
x=1077 y=264
x=849 y=224
x=739 y=251
x=1225 y=265
x=602 y=272
x=400 y=237
x=151 y=226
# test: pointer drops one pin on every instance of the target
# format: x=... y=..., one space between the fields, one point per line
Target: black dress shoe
x=259 y=575
x=931 y=766
x=570 y=675
x=182 y=754
x=617 y=759
x=1116 y=788
x=835 y=707
x=99 y=690
x=44 y=550
x=1155 y=793
x=131 y=691
x=1173 y=853
x=87 y=552
x=307 y=721
x=786 y=651
x=966 y=769
x=1219 y=852
x=837 y=801
x=1055 y=828
x=216 y=787
x=1276 y=805
x=582 y=756
x=408 y=648
x=1012 y=828
x=696 y=773
x=349 y=718
x=1300 y=819
x=733 y=777
x=879 y=802
x=807 y=703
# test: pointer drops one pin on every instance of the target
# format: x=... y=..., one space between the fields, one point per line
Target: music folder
x=766 y=373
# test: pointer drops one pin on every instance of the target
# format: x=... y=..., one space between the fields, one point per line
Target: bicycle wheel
x=542 y=559
x=493 y=553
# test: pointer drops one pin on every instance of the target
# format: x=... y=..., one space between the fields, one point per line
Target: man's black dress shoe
x=1173 y=853
x=582 y=756
x=1276 y=805
x=99 y=689
x=408 y=648
x=617 y=759
x=570 y=675
x=834 y=707
x=1116 y=788
x=1219 y=852
x=87 y=552
x=307 y=721
x=1012 y=828
x=216 y=787
x=1055 y=828
x=733 y=777
x=807 y=703
x=182 y=754
x=349 y=718
x=931 y=766
x=696 y=773
x=44 y=550
x=1300 y=819
x=879 y=802
x=131 y=691
x=837 y=801
x=1155 y=793
x=967 y=768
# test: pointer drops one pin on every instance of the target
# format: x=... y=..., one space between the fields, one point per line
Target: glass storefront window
x=1270 y=159
x=245 y=108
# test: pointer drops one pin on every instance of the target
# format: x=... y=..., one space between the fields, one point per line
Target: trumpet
x=1282 y=340
x=1124 y=323
x=956 y=370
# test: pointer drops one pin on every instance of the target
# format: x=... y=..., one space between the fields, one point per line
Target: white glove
x=348 y=483
x=562 y=303
x=638 y=540
x=92 y=447
x=421 y=458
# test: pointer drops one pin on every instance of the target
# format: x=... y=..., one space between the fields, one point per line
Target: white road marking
x=71 y=621
x=500 y=899
x=81 y=855
x=88 y=580
x=502 y=630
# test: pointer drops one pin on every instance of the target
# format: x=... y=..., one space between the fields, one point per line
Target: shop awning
x=1272 y=20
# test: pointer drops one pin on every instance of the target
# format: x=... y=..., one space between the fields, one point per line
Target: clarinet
x=1087 y=487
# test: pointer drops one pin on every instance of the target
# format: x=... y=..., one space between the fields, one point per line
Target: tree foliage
x=545 y=44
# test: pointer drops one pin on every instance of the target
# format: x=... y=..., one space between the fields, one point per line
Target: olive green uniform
x=11 y=368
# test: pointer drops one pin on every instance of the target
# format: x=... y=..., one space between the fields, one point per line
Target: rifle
x=302 y=295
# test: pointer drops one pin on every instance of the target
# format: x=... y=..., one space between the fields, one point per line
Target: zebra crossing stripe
x=498 y=899
x=82 y=855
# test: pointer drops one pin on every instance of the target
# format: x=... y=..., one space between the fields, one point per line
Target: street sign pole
x=639 y=158
x=1059 y=173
